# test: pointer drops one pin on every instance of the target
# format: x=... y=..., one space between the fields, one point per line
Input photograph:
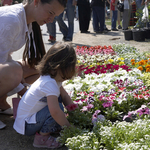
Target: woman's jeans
x=44 y=122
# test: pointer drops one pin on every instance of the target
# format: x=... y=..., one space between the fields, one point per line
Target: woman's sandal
x=8 y=111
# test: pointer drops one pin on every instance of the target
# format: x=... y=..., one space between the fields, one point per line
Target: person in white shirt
x=40 y=111
x=20 y=25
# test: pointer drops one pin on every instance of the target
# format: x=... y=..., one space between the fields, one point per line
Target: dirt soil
x=9 y=139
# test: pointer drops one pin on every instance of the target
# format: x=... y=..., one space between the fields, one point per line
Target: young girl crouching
x=40 y=111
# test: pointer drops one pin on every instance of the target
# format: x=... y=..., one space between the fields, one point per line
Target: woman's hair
x=60 y=57
x=39 y=45
x=62 y=2
x=29 y=53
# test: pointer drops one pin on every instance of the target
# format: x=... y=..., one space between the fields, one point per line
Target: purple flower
x=130 y=113
x=143 y=110
x=96 y=113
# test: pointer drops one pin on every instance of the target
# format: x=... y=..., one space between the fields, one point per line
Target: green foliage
x=146 y=79
x=80 y=119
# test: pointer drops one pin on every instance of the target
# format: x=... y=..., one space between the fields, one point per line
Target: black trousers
x=84 y=11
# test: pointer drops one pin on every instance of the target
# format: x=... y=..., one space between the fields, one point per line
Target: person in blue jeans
x=67 y=31
x=51 y=27
x=41 y=109
x=114 y=15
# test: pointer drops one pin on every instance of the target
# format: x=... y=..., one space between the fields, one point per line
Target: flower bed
x=111 y=100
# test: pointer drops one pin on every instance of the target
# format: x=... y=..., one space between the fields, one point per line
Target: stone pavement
x=9 y=139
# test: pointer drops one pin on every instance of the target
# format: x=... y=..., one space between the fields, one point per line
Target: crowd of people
x=97 y=10
x=41 y=108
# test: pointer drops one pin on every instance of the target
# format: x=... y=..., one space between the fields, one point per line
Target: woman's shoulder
x=11 y=14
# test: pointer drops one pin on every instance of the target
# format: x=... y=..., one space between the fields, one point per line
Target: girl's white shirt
x=13 y=30
x=34 y=100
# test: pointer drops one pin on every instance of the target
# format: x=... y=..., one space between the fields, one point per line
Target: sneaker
x=99 y=32
x=2 y=125
x=67 y=40
x=106 y=29
x=114 y=29
x=52 y=39
x=45 y=141
x=119 y=27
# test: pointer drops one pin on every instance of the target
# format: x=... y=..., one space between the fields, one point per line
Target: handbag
x=120 y=6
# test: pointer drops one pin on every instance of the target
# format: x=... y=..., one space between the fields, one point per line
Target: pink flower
x=72 y=107
x=88 y=107
x=107 y=104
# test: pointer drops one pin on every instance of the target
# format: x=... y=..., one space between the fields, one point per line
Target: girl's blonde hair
x=61 y=56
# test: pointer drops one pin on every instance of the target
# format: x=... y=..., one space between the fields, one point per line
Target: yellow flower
x=110 y=60
x=121 y=63
x=78 y=61
x=140 y=68
x=91 y=65
x=98 y=63
x=122 y=58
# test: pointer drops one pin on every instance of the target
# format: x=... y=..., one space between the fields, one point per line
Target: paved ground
x=9 y=139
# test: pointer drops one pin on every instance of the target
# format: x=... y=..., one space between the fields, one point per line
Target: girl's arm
x=56 y=112
x=65 y=97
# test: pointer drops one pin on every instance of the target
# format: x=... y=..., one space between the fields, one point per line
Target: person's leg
x=77 y=16
x=45 y=123
x=70 y=15
x=11 y=74
x=63 y=27
x=52 y=30
x=83 y=15
x=115 y=18
x=95 y=20
x=101 y=15
x=125 y=20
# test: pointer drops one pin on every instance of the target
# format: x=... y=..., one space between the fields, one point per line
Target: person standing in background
x=114 y=14
x=98 y=10
x=67 y=31
x=126 y=15
x=84 y=11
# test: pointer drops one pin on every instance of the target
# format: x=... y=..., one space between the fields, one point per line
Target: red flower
x=72 y=107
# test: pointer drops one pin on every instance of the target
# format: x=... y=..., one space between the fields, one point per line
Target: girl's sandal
x=46 y=141
x=52 y=143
